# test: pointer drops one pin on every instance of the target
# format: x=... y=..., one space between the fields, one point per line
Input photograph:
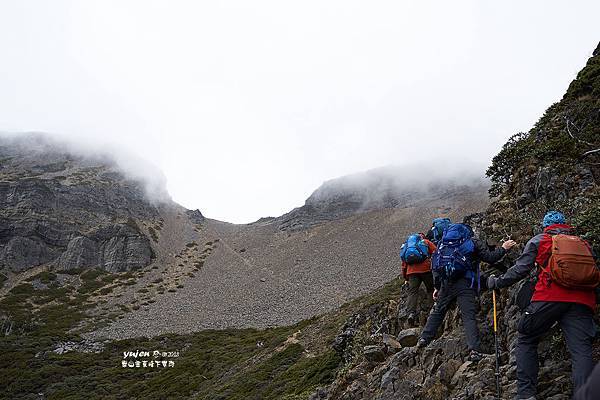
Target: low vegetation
x=285 y=362
x=555 y=164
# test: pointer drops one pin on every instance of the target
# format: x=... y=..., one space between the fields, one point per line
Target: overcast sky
x=247 y=106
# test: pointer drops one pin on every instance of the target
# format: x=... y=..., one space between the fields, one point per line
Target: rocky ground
x=383 y=362
x=258 y=276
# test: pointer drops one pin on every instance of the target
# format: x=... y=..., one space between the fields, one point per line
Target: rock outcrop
x=377 y=368
x=69 y=211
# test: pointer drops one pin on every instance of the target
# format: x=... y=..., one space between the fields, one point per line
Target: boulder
x=374 y=353
x=408 y=337
x=389 y=377
x=447 y=370
x=195 y=216
x=460 y=373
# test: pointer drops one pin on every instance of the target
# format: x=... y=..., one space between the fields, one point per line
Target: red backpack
x=571 y=263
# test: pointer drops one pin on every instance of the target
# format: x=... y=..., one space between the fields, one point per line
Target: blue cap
x=553 y=217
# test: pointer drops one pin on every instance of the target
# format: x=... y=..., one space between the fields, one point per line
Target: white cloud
x=248 y=106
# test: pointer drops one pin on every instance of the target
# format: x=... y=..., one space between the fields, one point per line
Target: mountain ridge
x=57 y=324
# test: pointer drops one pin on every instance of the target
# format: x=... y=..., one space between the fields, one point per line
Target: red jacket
x=421 y=267
x=545 y=290
x=536 y=254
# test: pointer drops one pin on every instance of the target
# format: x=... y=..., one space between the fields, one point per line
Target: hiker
x=415 y=254
x=455 y=267
x=436 y=231
x=570 y=303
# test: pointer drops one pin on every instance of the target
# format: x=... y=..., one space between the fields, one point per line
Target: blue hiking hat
x=553 y=217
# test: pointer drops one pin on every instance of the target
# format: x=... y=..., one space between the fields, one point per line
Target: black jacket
x=482 y=252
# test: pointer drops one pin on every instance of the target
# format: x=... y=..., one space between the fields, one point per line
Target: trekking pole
x=496 y=344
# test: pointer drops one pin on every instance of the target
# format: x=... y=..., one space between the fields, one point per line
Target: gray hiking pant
x=414 y=284
x=577 y=324
x=467 y=303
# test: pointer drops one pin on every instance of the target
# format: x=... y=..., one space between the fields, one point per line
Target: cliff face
x=68 y=211
x=556 y=165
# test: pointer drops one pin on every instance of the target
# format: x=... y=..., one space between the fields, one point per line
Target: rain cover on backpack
x=439 y=225
x=454 y=255
x=414 y=250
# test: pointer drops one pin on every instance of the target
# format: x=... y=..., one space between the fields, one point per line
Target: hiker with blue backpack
x=455 y=267
x=438 y=225
x=415 y=254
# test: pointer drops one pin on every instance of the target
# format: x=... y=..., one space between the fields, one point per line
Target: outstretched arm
x=523 y=265
x=485 y=254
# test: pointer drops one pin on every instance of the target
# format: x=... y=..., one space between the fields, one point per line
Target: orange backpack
x=571 y=263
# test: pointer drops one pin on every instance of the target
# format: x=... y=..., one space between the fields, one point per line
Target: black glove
x=492 y=282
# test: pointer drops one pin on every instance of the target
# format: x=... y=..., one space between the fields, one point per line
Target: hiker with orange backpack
x=415 y=254
x=567 y=277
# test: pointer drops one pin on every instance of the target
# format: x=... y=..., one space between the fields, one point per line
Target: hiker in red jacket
x=415 y=274
x=571 y=304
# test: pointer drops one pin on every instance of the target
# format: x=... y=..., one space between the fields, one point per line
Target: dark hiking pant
x=464 y=294
x=414 y=284
x=577 y=324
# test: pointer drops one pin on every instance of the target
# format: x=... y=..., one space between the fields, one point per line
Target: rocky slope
x=261 y=275
x=66 y=211
x=210 y=274
x=553 y=166
x=111 y=260
x=392 y=187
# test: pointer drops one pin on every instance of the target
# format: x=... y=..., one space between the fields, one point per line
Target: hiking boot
x=422 y=343
x=475 y=356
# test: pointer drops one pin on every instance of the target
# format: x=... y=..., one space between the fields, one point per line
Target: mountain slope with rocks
x=208 y=284
x=391 y=187
x=66 y=212
x=261 y=275
x=115 y=258
x=553 y=166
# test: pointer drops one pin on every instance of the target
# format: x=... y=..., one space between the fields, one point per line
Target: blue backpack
x=453 y=258
x=439 y=225
x=414 y=250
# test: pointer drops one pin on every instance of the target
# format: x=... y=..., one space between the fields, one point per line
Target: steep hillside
x=262 y=275
x=556 y=165
x=553 y=166
x=66 y=328
x=90 y=252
